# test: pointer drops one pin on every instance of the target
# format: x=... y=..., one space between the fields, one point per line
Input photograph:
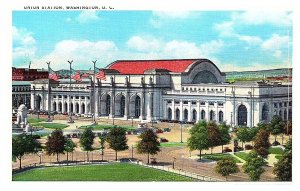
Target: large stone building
x=179 y=90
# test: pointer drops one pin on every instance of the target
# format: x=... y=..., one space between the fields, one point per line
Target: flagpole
x=94 y=94
x=49 y=98
x=70 y=113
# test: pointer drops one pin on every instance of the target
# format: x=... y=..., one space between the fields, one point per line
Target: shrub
x=239 y=148
x=227 y=150
x=248 y=147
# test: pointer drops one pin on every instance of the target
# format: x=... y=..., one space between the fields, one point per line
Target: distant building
x=26 y=74
x=187 y=90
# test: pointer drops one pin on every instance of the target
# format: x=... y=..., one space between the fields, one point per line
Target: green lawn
x=50 y=125
x=278 y=157
x=172 y=144
x=219 y=156
x=242 y=155
x=105 y=126
x=110 y=172
x=276 y=150
x=35 y=120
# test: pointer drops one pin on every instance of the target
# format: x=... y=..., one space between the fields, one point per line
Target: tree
x=226 y=166
x=214 y=135
x=87 y=141
x=102 y=140
x=23 y=144
x=69 y=147
x=288 y=128
x=261 y=143
x=244 y=135
x=56 y=143
x=117 y=140
x=276 y=126
x=149 y=143
x=254 y=166
x=224 y=133
x=283 y=168
x=198 y=139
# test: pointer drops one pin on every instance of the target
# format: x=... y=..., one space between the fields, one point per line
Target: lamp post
x=131 y=121
x=94 y=95
x=70 y=113
x=113 y=117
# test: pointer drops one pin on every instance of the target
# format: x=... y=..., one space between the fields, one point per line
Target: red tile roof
x=140 y=66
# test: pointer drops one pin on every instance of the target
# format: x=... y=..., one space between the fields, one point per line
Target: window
x=193 y=103
x=59 y=96
x=211 y=103
x=220 y=103
x=82 y=97
x=202 y=103
x=169 y=101
x=211 y=115
x=280 y=104
x=275 y=105
x=65 y=96
x=185 y=102
x=54 y=96
x=221 y=116
x=77 y=97
x=285 y=104
x=71 y=97
x=290 y=103
x=176 y=102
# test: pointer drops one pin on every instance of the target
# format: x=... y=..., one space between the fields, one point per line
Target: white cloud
x=87 y=16
x=24 y=46
x=263 y=17
x=251 y=40
x=276 y=44
x=81 y=52
x=160 y=17
x=227 y=67
x=144 y=44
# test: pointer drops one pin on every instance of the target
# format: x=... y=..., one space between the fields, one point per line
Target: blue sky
x=232 y=40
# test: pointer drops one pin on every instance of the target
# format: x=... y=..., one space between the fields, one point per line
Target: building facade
x=175 y=90
x=27 y=74
x=21 y=94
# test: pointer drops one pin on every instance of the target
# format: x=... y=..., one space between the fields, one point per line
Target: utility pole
x=94 y=95
x=49 y=98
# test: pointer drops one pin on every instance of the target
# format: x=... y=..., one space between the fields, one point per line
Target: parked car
x=163 y=140
x=167 y=129
x=65 y=113
x=159 y=131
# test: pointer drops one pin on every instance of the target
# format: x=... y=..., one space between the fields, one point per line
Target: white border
x=5 y=79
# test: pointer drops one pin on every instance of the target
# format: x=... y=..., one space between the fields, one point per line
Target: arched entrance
x=122 y=106
x=177 y=114
x=38 y=100
x=54 y=106
x=137 y=107
x=72 y=108
x=185 y=115
x=211 y=115
x=221 y=116
x=202 y=115
x=59 y=106
x=242 y=115
x=265 y=113
x=194 y=118
x=82 y=108
x=107 y=105
x=65 y=107
x=169 y=114
x=76 y=108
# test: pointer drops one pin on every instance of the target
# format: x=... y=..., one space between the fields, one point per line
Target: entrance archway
x=169 y=114
x=242 y=115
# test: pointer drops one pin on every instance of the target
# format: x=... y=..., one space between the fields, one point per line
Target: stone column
x=198 y=111
x=181 y=111
x=190 y=113
x=32 y=101
x=80 y=110
x=86 y=105
x=142 y=116
x=207 y=115
x=63 y=104
x=126 y=112
x=149 y=110
x=173 y=110
x=216 y=112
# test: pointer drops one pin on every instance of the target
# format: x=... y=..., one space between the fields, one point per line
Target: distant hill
x=260 y=74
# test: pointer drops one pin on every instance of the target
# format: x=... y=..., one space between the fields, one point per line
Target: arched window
x=194 y=115
x=242 y=115
x=177 y=114
x=203 y=115
x=122 y=105
x=280 y=114
x=107 y=108
x=186 y=115
x=65 y=107
x=137 y=107
x=221 y=116
x=265 y=113
x=211 y=115
x=169 y=114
